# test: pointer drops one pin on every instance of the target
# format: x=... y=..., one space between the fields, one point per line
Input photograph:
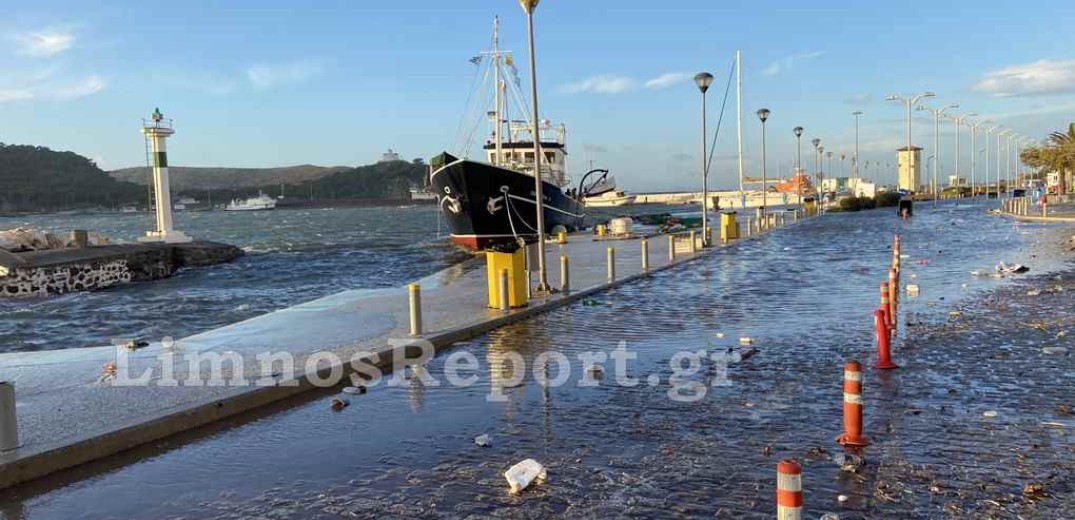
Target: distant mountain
x=35 y=178
x=185 y=178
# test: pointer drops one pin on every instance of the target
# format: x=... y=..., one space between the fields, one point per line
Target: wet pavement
x=803 y=295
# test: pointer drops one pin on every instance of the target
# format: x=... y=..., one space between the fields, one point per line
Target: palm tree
x=1056 y=155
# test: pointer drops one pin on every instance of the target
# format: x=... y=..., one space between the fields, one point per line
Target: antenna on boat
x=497 y=87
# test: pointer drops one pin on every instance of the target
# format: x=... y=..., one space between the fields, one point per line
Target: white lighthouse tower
x=156 y=131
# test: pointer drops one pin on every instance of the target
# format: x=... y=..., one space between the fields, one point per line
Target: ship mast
x=497 y=87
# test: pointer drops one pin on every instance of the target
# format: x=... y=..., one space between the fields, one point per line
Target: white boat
x=261 y=202
x=609 y=199
x=128 y=209
x=423 y=194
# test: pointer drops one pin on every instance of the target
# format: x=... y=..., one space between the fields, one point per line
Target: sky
x=273 y=83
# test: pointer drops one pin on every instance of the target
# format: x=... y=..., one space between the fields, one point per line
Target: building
x=955 y=180
x=390 y=156
x=909 y=167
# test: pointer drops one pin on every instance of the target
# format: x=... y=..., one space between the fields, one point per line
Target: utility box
x=515 y=263
x=729 y=226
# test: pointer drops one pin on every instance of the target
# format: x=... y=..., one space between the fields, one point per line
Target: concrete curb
x=26 y=464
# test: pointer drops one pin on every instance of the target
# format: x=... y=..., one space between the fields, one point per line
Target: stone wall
x=121 y=264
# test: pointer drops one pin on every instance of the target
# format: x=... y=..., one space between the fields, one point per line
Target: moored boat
x=259 y=203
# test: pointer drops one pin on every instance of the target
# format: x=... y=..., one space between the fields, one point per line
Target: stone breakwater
x=60 y=271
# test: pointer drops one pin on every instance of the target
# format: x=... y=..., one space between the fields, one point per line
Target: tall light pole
x=937 y=113
x=799 y=162
x=911 y=102
x=703 y=80
x=817 y=164
x=974 y=154
x=763 y=114
x=988 y=148
x=855 y=160
x=1000 y=134
x=828 y=155
x=958 y=120
x=539 y=200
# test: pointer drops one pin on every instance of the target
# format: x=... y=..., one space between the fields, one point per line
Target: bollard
x=852 y=435
x=565 y=283
x=415 y=292
x=884 y=351
x=505 y=293
x=671 y=248
x=645 y=255
x=886 y=305
x=893 y=298
x=80 y=238
x=528 y=294
x=789 y=490
x=561 y=237
x=611 y=264
x=9 y=426
x=694 y=248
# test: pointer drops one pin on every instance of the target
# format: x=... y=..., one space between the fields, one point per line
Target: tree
x=1056 y=155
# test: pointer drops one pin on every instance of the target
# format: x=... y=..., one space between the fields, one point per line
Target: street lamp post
x=958 y=120
x=973 y=153
x=1000 y=134
x=703 y=80
x=817 y=166
x=855 y=159
x=799 y=162
x=910 y=101
x=936 y=144
x=828 y=155
x=763 y=114
x=539 y=201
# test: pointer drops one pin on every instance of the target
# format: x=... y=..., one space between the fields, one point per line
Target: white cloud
x=264 y=76
x=789 y=61
x=603 y=84
x=44 y=43
x=85 y=87
x=667 y=80
x=40 y=86
x=1030 y=79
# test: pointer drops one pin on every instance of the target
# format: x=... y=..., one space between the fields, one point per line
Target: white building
x=390 y=156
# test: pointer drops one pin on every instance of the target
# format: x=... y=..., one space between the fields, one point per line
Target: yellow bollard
x=611 y=264
x=694 y=248
x=645 y=255
x=601 y=230
x=414 y=292
x=513 y=263
x=671 y=248
x=565 y=283
x=561 y=237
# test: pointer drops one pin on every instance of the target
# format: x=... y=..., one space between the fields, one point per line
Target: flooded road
x=804 y=296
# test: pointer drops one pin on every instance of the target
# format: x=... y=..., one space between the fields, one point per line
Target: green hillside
x=35 y=178
x=211 y=178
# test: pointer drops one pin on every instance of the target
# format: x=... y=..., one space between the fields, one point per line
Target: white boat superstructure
x=422 y=194
x=259 y=203
x=609 y=199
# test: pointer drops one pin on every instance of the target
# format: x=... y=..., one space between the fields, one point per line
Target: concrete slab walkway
x=69 y=415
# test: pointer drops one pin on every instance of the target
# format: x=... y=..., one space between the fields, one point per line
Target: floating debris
x=1054 y=350
x=521 y=475
x=1033 y=292
x=989 y=414
x=849 y=462
x=339 y=403
x=482 y=440
x=354 y=390
x=1003 y=268
x=746 y=341
x=912 y=290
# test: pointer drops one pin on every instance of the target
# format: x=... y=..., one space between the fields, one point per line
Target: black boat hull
x=486 y=206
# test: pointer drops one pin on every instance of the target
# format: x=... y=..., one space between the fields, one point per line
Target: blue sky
x=271 y=83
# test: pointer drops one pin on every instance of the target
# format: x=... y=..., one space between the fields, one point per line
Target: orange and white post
x=886 y=304
x=852 y=435
x=789 y=490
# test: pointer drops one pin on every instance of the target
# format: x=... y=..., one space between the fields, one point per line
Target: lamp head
x=815 y=141
x=892 y=97
x=856 y=113
x=763 y=114
x=798 y=131
x=529 y=5
x=703 y=80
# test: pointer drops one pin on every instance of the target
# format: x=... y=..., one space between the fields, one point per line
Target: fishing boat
x=602 y=192
x=422 y=194
x=490 y=202
x=259 y=203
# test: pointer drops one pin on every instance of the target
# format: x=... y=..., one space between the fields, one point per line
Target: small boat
x=602 y=193
x=259 y=203
x=609 y=199
x=128 y=209
x=422 y=194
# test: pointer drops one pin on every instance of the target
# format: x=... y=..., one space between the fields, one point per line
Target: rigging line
x=466 y=106
x=713 y=147
x=475 y=111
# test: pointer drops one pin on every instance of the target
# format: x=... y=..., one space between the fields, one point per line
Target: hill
x=381 y=181
x=36 y=178
x=184 y=178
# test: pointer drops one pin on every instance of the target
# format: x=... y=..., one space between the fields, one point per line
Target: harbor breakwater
x=60 y=271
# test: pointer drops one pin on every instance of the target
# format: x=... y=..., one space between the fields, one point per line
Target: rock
x=521 y=475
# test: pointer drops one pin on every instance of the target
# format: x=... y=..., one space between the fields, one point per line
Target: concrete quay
x=70 y=411
x=59 y=271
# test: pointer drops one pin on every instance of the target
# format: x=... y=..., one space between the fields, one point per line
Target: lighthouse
x=157 y=130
